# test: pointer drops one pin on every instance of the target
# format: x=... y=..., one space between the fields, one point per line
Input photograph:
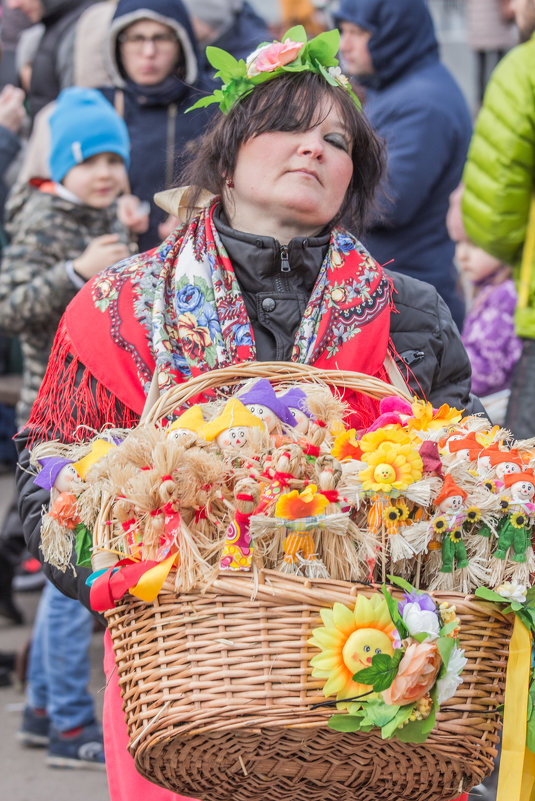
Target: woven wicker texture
x=217 y=693
x=277 y=372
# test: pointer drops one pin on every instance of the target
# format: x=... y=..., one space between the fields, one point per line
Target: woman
x=263 y=272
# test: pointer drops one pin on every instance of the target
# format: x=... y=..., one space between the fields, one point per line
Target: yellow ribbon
x=151 y=582
x=517 y=764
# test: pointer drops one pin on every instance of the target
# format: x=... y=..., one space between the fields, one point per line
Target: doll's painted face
x=483 y=464
x=302 y=420
x=364 y=644
x=522 y=491
x=183 y=436
x=233 y=438
x=66 y=476
x=504 y=468
x=451 y=504
x=264 y=414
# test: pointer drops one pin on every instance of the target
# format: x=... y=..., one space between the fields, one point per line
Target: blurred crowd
x=93 y=126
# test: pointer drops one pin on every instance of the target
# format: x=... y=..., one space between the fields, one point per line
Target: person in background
x=489 y=332
x=497 y=207
x=63 y=232
x=53 y=64
x=156 y=78
x=14 y=22
x=491 y=33
x=232 y=25
x=414 y=103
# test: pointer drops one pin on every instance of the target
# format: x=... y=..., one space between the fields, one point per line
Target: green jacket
x=499 y=173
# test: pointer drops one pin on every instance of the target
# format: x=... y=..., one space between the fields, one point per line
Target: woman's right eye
x=338 y=140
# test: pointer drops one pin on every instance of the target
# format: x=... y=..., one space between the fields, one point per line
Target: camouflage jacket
x=45 y=232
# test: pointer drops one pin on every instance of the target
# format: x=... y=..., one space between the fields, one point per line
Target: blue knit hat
x=84 y=124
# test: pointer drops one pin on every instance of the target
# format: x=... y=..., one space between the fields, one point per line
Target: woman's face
x=291 y=183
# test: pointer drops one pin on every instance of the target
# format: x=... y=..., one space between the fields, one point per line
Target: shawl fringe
x=85 y=403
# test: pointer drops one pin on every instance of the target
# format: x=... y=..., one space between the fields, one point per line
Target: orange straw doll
x=513 y=557
x=448 y=525
x=60 y=477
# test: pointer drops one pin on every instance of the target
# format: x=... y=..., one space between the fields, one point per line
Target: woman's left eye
x=338 y=140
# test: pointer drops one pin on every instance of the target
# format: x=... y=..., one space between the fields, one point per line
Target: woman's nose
x=311 y=145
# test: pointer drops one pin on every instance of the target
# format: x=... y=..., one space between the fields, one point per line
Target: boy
x=62 y=232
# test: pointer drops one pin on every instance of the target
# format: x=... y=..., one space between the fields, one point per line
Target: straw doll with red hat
x=514 y=554
x=448 y=527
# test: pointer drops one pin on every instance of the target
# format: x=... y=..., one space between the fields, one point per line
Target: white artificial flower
x=421 y=621
x=447 y=685
x=512 y=591
x=339 y=77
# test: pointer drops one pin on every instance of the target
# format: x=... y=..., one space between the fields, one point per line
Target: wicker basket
x=218 y=693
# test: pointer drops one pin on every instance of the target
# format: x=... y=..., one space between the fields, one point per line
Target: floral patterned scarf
x=179 y=307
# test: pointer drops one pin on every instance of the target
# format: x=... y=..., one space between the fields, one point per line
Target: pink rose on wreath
x=416 y=674
x=269 y=57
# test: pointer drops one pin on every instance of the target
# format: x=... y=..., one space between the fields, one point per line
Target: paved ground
x=23 y=773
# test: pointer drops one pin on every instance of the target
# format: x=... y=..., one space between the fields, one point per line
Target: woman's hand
x=102 y=252
x=133 y=213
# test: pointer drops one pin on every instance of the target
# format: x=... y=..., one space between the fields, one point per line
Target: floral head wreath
x=273 y=59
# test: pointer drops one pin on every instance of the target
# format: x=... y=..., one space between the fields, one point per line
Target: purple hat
x=295 y=398
x=51 y=468
x=264 y=394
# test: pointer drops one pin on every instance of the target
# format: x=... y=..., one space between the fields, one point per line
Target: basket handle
x=276 y=372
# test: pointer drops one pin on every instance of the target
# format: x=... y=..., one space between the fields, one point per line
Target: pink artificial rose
x=269 y=57
x=416 y=674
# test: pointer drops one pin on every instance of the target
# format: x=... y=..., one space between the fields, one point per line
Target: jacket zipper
x=281 y=280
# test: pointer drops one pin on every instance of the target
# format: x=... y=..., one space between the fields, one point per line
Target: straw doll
x=237 y=553
x=513 y=556
x=263 y=403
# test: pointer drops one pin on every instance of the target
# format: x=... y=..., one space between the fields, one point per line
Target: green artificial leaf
x=420 y=637
x=516 y=606
x=400 y=717
x=382 y=671
x=83 y=545
x=489 y=595
x=397 y=620
x=448 y=628
x=405 y=585
x=379 y=713
x=324 y=47
x=216 y=97
x=417 y=731
x=295 y=34
x=345 y=722
x=224 y=62
x=445 y=646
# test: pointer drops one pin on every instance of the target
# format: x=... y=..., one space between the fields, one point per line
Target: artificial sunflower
x=439 y=525
x=456 y=535
x=472 y=514
x=348 y=640
x=490 y=485
x=391 y=514
x=391 y=467
x=518 y=519
x=504 y=503
x=403 y=510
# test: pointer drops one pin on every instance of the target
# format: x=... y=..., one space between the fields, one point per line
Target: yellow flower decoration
x=519 y=520
x=392 y=433
x=295 y=505
x=504 y=503
x=391 y=467
x=348 y=640
x=346 y=447
x=439 y=524
x=403 y=510
x=472 y=514
x=391 y=514
x=424 y=419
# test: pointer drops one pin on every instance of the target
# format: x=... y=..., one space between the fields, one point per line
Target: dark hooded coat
x=414 y=103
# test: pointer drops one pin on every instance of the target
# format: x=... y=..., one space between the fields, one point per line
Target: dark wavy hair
x=289 y=103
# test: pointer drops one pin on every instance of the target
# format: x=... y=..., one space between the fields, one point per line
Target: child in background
x=63 y=232
x=488 y=333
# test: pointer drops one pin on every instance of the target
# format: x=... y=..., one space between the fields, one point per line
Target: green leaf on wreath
x=345 y=723
x=379 y=713
x=489 y=595
x=417 y=731
x=445 y=646
x=397 y=620
x=448 y=628
x=405 y=585
x=382 y=671
x=399 y=718
x=83 y=545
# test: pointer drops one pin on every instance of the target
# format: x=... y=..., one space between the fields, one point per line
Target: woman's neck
x=280 y=230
